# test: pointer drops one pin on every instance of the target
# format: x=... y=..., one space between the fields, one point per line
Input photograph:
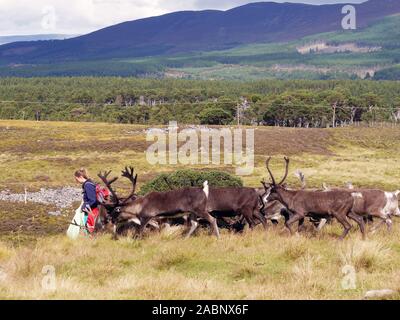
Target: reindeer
x=156 y=204
x=231 y=202
x=228 y=203
x=369 y=203
x=302 y=203
x=377 y=204
x=374 y=203
x=274 y=210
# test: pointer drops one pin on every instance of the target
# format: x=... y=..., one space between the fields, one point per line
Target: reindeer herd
x=234 y=207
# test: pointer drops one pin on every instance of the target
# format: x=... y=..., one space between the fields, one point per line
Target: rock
x=379 y=294
x=61 y=198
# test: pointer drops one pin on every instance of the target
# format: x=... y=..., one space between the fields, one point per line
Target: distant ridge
x=188 y=31
x=34 y=37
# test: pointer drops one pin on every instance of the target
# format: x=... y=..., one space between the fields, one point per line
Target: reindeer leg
x=143 y=223
x=300 y=227
x=389 y=224
x=215 y=227
x=384 y=219
x=248 y=215
x=114 y=232
x=321 y=224
x=360 y=222
x=345 y=223
x=212 y=221
x=378 y=226
x=193 y=226
x=296 y=217
x=239 y=225
x=262 y=219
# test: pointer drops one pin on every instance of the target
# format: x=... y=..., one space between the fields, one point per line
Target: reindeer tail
x=206 y=188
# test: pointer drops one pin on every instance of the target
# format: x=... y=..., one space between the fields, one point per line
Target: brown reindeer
x=225 y=203
x=302 y=203
x=274 y=210
x=369 y=203
x=232 y=202
x=374 y=203
x=157 y=204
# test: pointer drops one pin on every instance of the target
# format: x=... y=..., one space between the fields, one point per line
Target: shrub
x=189 y=178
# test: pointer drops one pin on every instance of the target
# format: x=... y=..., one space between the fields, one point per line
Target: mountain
x=361 y=53
x=34 y=37
x=194 y=31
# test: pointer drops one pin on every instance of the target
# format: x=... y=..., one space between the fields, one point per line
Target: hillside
x=189 y=31
x=346 y=54
x=371 y=51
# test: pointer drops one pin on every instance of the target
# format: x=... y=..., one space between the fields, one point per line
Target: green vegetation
x=149 y=101
x=389 y=73
x=385 y=33
x=190 y=178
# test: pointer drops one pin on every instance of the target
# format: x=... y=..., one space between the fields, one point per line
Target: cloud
x=71 y=16
x=82 y=16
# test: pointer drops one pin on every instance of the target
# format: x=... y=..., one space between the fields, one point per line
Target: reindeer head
x=271 y=188
x=114 y=206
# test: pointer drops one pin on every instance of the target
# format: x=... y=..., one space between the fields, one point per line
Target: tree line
x=297 y=103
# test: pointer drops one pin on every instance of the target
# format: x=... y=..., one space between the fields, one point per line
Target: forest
x=295 y=103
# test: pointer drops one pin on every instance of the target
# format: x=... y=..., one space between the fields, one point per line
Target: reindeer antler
x=287 y=160
x=269 y=171
x=104 y=178
x=128 y=173
x=264 y=183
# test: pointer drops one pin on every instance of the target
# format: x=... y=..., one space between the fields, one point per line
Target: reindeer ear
x=264 y=184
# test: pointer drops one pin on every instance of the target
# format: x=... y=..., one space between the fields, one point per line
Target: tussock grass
x=367 y=255
x=254 y=265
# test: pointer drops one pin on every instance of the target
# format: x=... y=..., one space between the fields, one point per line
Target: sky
x=73 y=17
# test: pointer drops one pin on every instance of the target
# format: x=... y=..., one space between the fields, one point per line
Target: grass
x=254 y=265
